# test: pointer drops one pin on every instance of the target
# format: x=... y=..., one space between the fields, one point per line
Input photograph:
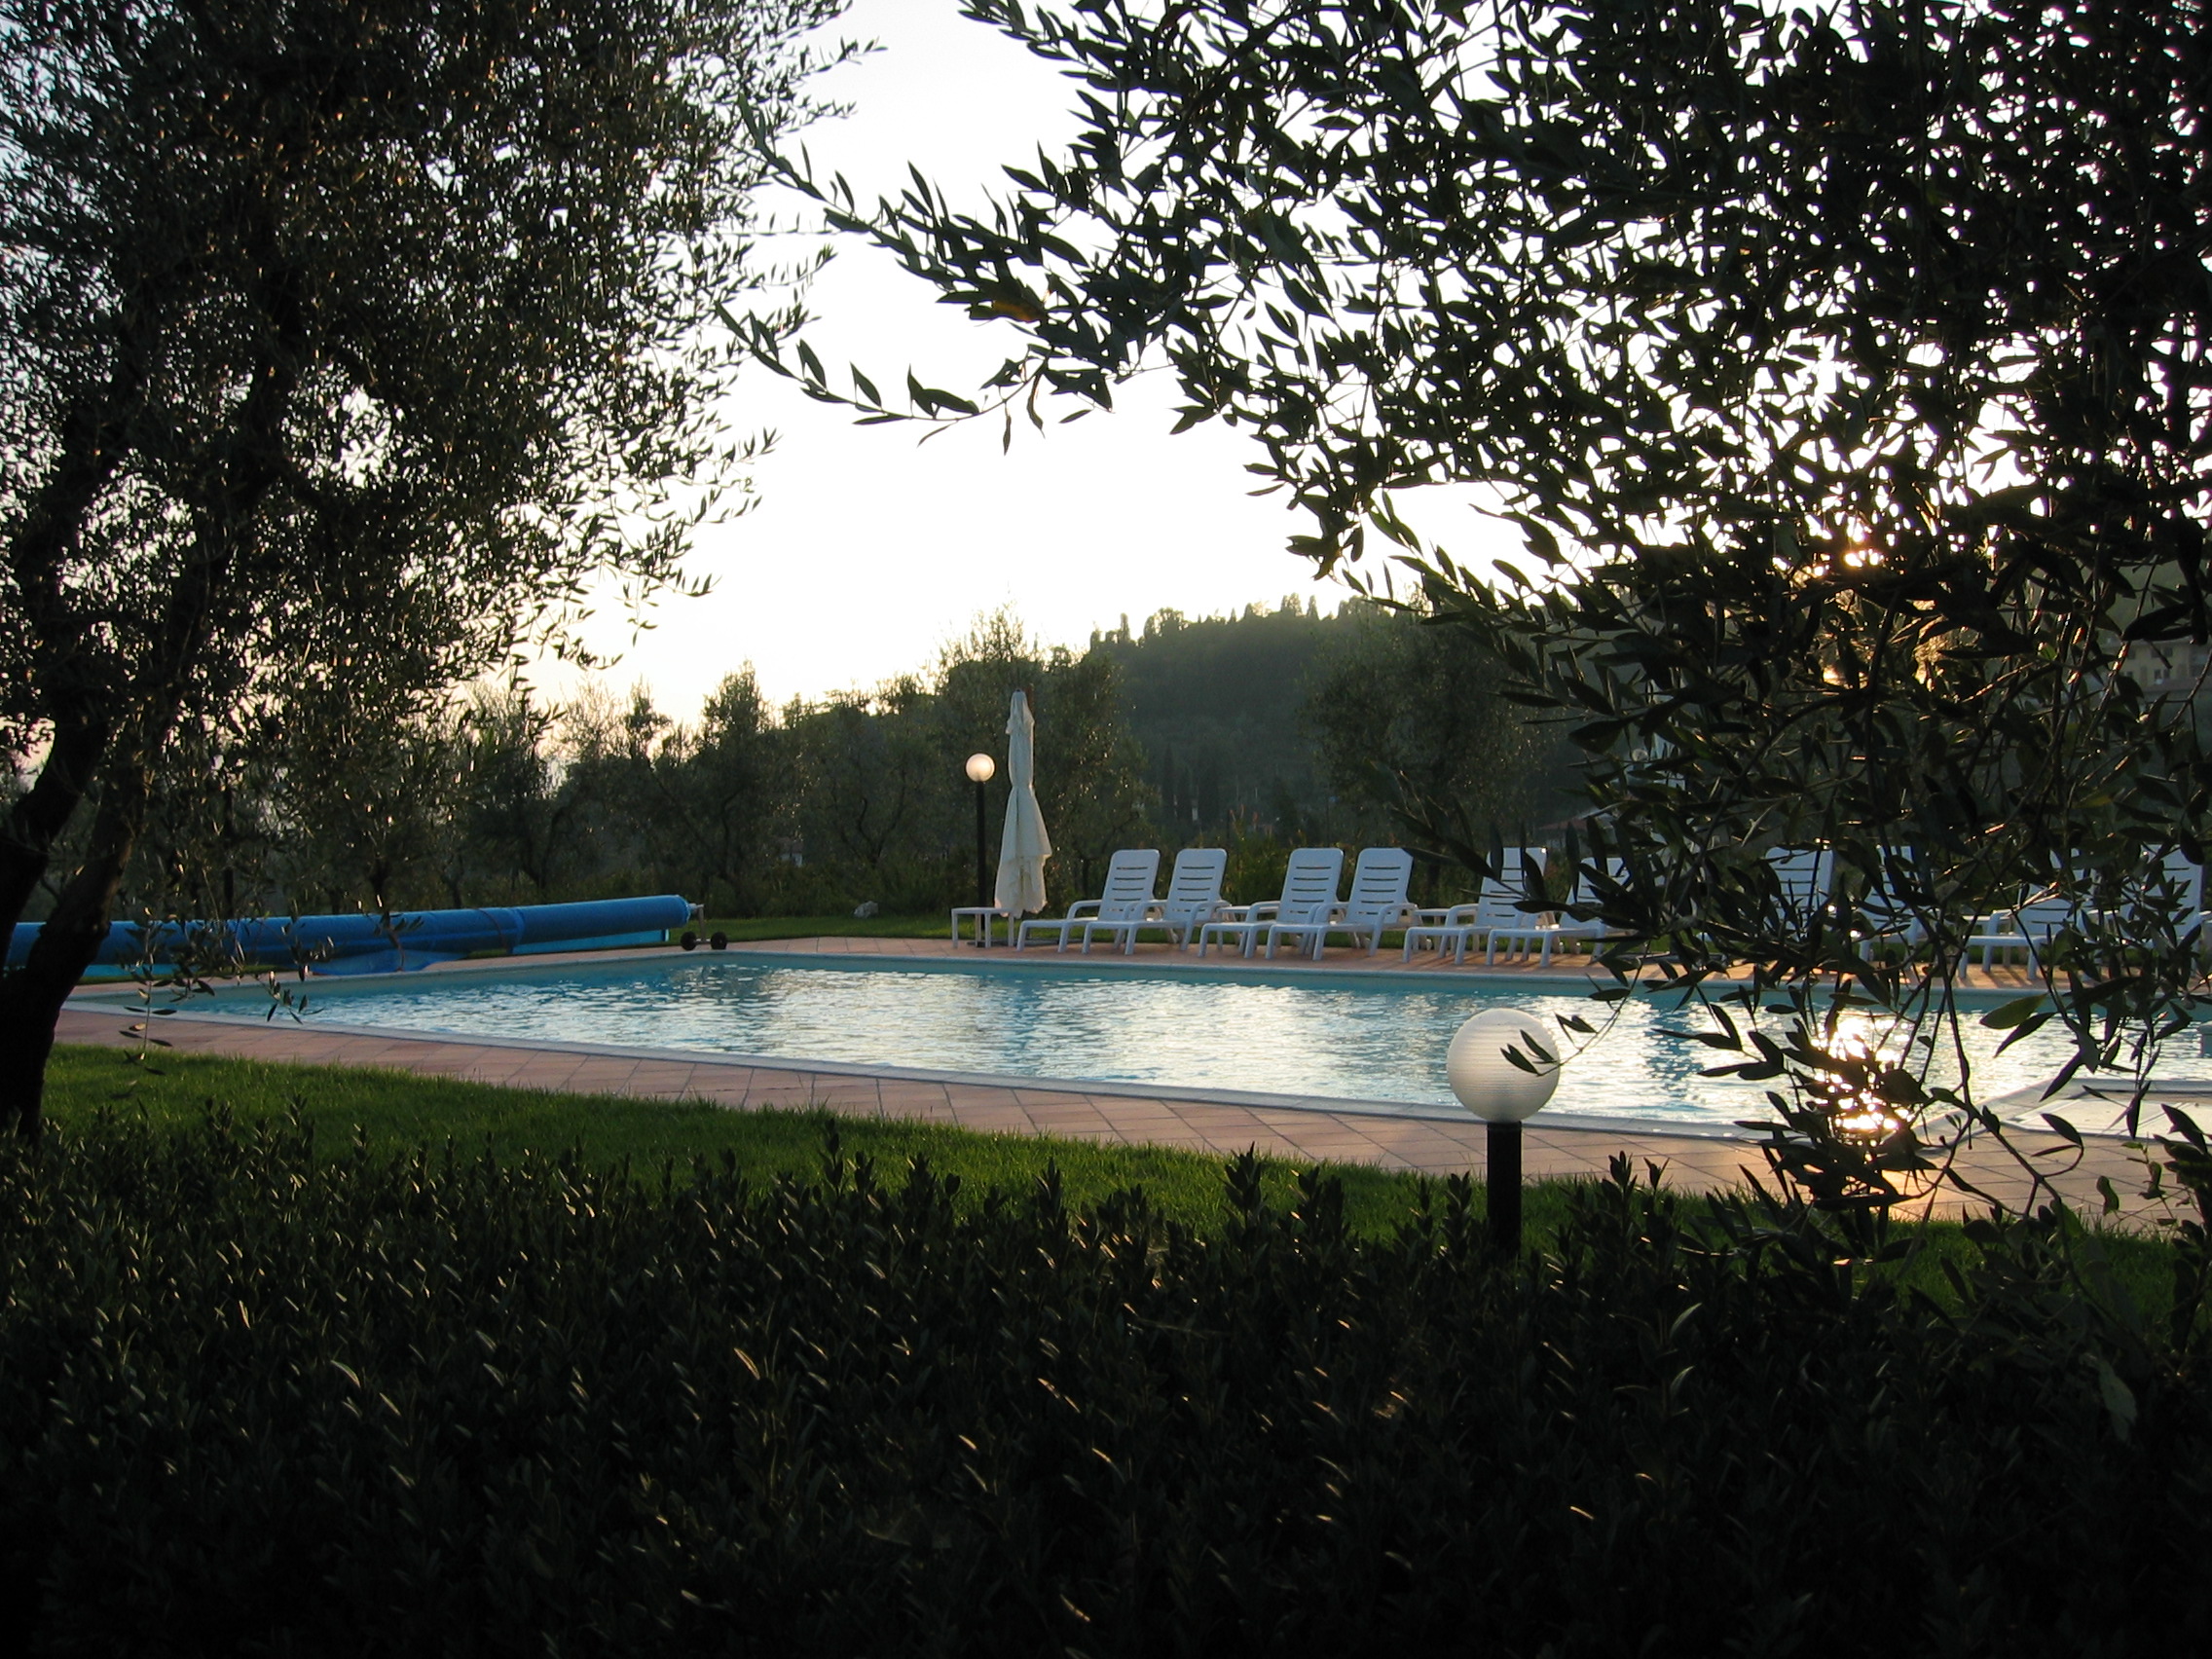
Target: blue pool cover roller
x=384 y=944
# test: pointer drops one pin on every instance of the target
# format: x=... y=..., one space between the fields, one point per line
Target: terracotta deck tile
x=715 y=1091
x=1175 y=1130
x=1131 y=1105
x=1337 y=1152
x=1046 y=1096
x=914 y=1106
x=1401 y=1137
x=357 y=1048
x=828 y=1089
x=1321 y=1128
x=1061 y=1106
x=1172 y=1133
x=1139 y=1129
x=1354 y=1151
x=1239 y=1120
x=1060 y=1123
x=760 y=1089
x=552 y=1060
x=617 y=1071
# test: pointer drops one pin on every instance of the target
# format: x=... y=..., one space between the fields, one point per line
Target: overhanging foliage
x=342 y=345
x=1849 y=370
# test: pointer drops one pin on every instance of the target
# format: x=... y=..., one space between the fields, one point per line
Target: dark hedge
x=252 y=1402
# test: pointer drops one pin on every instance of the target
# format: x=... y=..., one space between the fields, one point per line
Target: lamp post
x=1504 y=1096
x=981 y=768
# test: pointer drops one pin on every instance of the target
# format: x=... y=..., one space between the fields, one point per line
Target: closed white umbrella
x=1025 y=846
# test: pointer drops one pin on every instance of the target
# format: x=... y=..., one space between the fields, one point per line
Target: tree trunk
x=85 y=708
x=37 y=820
x=31 y=998
x=90 y=453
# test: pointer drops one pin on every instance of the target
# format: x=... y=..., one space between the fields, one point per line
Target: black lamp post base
x=1503 y=1173
x=982 y=894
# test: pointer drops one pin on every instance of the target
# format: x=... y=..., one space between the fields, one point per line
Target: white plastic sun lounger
x=1544 y=938
x=2180 y=900
x=1804 y=874
x=1497 y=909
x=1127 y=896
x=1378 y=901
x=1194 y=898
x=1884 y=918
x=2028 y=926
x=1308 y=895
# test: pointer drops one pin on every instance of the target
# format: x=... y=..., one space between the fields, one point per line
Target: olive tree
x=368 y=805
x=1849 y=369
x=1412 y=727
x=339 y=343
x=691 y=807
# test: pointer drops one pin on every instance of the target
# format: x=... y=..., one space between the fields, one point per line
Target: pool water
x=1347 y=1037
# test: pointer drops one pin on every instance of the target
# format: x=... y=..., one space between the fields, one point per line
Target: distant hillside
x=1215 y=703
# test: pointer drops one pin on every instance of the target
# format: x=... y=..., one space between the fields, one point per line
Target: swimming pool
x=1296 y=1032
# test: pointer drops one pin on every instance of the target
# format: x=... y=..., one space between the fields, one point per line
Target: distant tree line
x=1214 y=702
x=1261 y=731
x=1353 y=724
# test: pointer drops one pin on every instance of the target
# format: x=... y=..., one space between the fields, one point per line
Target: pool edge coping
x=1249 y=1099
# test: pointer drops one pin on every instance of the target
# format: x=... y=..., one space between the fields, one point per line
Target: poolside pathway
x=1432 y=1141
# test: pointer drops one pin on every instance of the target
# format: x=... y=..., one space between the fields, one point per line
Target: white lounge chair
x=1127 y=896
x=1194 y=898
x=1882 y=917
x=1308 y=895
x=2028 y=926
x=1378 y=901
x=2183 y=898
x=1804 y=875
x=1546 y=937
x=1497 y=908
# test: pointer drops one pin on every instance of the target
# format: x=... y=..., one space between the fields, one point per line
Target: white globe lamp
x=1504 y=1095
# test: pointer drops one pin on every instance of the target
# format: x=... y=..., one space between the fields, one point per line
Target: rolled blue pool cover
x=407 y=939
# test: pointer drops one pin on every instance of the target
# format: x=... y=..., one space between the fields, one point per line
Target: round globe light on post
x=1503 y=1095
x=981 y=768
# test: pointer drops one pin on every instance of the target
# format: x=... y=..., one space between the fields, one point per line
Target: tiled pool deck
x=1429 y=1140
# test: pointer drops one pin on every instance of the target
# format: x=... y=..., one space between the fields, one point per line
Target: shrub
x=253 y=1401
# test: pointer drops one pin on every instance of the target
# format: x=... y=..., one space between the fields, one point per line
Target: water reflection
x=1365 y=1041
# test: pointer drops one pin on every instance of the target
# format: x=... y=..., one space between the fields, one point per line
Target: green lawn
x=393 y=1110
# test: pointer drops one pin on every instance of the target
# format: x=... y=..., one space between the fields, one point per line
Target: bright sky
x=869 y=550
